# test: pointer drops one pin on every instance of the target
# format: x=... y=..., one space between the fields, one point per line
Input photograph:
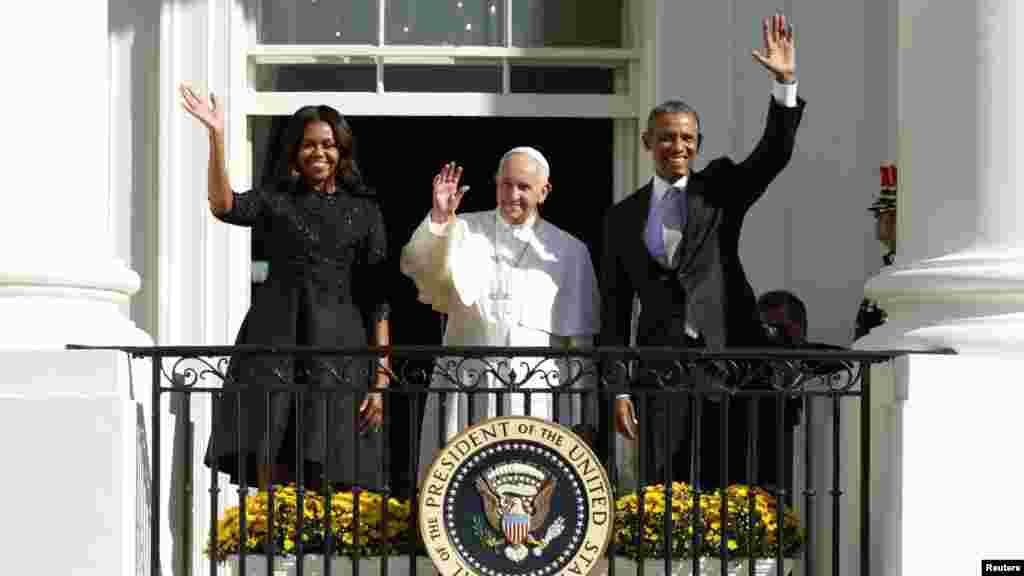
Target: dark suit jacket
x=706 y=286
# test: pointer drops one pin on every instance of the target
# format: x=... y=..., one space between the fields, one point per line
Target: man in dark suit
x=673 y=246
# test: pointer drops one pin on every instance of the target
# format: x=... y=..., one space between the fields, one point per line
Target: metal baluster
x=695 y=453
x=723 y=512
x=326 y=487
x=214 y=489
x=300 y=465
x=186 y=529
x=780 y=469
x=414 y=437
x=242 y=461
x=753 y=411
x=835 y=492
x=641 y=474
x=268 y=461
x=810 y=494
x=383 y=445
x=865 y=471
x=356 y=488
x=667 y=475
x=609 y=400
x=154 y=503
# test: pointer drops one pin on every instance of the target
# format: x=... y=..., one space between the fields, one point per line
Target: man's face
x=521 y=188
x=672 y=142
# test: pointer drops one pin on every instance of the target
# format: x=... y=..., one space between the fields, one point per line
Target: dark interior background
x=399 y=157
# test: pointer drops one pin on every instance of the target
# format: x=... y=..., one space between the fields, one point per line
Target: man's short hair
x=671 y=107
x=533 y=154
x=792 y=306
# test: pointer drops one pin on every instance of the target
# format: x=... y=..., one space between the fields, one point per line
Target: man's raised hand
x=777 y=55
x=447 y=193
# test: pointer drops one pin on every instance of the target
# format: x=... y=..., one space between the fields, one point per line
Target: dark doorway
x=399 y=157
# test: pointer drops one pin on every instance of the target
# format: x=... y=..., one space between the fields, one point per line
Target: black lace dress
x=326 y=252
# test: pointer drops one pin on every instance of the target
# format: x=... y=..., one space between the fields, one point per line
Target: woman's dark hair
x=347 y=176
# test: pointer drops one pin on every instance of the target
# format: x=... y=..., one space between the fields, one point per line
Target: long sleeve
x=376 y=260
x=425 y=259
x=617 y=294
x=752 y=176
x=616 y=290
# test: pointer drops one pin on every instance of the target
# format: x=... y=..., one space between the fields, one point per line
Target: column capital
x=48 y=302
x=971 y=301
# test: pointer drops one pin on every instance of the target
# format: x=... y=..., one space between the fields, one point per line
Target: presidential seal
x=516 y=495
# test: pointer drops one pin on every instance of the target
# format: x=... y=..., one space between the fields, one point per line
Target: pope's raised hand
x=777 y=55
x=447 y=193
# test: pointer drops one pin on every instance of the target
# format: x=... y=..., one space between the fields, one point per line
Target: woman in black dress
x=326 y=241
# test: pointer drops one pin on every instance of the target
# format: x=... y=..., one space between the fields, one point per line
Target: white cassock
x=502 y=285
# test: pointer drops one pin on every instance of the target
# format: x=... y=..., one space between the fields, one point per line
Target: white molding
x=991 y=274
x=329 y=54
x=970 y=301
x=447 y=104
x=102 y=279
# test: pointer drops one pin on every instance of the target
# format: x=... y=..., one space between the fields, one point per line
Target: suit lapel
x=643 y=207
x=701 y=218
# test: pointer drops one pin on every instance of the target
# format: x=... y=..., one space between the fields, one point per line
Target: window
x=516 y=23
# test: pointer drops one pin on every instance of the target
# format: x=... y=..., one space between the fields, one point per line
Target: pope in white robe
x=504 y=277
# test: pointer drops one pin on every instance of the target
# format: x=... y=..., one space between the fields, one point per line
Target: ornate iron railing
x=596 y=376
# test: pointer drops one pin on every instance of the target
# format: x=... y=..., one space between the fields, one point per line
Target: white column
x=71 y=419
x=958 y=282
x=59 y=281
x=959 y=275
x=204 y=271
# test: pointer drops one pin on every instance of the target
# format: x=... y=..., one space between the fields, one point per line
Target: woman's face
x=318 y=154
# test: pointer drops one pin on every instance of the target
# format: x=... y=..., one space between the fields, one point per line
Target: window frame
x=627 y=107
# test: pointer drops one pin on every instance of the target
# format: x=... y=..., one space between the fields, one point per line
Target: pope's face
x=672 y=142
x=521 y=188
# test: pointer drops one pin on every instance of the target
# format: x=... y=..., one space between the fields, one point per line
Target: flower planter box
x=313 y=565
x=708 y=567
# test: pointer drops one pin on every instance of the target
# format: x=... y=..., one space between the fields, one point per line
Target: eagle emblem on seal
x=516 y=500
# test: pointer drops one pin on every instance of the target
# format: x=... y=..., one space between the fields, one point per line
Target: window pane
x=563 y=79
x=595 y=23
x=318 y=22
x=482 y=77
x=355 y=75
x=446 y=22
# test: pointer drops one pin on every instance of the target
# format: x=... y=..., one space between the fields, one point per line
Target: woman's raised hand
x=209 y=113
x=447 y=193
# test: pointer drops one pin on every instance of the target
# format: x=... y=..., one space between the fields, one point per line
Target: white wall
x=811 y=233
